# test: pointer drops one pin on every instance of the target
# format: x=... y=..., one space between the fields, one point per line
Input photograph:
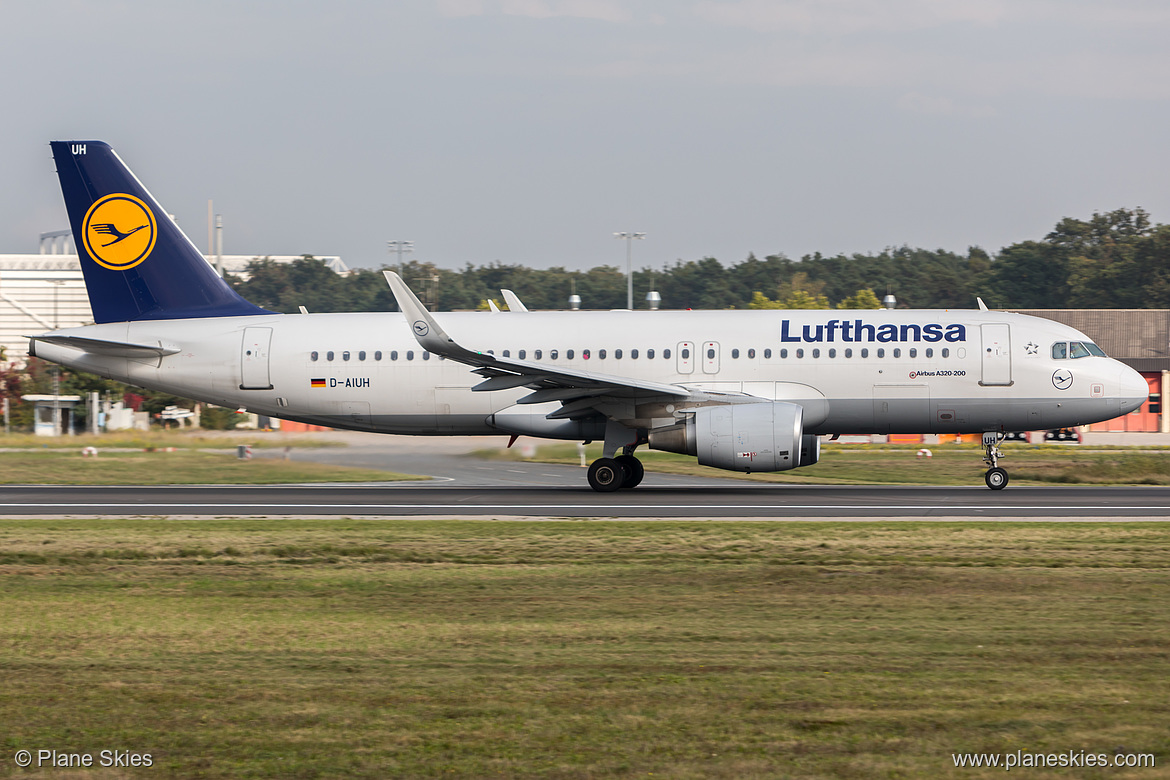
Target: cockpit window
x=1076 y=349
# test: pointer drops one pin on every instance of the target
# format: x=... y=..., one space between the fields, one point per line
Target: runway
x=775 y=502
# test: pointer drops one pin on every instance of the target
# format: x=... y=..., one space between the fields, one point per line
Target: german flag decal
x=317 y=382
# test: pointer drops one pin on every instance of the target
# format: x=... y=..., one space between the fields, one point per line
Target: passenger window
x=800 y=353
x=329 y=355
x=751 y=353
x=552 y=355
x=536 y=354
x=378 y=355
x=913 y=352
x=312 y=356
x=568 y=354
x=734 y=353
x=601 y=354
x=881 y=352
x=362 y=355
x=848 y=352
x=832 y=353
x=929 y=352
x=426 y=355
x=816 y=353
x=345 y=355
x=584 y=354
x=617 y=354
x=410 y=354
x=649 y=354
x=507 y=353
x=768 y=353
x=522 y=353
x=1077 y=350
x=633 y=354
x=710 y=354
x=897 y=352
x=666 y=354
x=393 y=354
x=686 y=353
x=946 y=352
x=864 y=352
x=1059 y=350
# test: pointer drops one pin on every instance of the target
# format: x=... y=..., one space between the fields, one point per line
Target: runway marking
x=601 y=507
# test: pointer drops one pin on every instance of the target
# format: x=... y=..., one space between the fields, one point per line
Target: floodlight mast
x=399 y=247
x=629 y=237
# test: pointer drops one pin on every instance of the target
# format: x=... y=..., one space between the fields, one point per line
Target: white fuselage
x=854 y=371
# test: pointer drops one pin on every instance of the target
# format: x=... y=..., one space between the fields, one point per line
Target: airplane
x=747 y=391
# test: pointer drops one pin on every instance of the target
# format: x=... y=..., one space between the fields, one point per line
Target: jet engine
x=742 y=437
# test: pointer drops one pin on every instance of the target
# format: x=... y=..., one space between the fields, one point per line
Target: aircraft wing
x=550 y=383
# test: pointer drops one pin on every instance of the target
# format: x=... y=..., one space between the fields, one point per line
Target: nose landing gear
x=996 y=477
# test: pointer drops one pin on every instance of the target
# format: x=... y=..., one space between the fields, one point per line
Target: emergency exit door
x=254 y=373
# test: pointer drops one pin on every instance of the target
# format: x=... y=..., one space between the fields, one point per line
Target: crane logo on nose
x=1062 y=379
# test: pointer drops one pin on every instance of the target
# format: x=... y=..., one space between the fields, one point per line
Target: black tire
x=634 y=470
x=606 y=475
x=996 y=478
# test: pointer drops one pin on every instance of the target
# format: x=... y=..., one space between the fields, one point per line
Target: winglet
x=492 y=306
x=982 y=305
x=513 y=301
x=429 y=334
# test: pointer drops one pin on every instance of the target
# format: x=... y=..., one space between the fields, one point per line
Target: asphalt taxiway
x=465 y=486
x=777 y=502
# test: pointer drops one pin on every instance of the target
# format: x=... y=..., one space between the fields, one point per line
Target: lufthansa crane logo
x=119 y=231
x=421 y=328
x=1062 y=379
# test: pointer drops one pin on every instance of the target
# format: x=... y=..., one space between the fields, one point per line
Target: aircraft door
x=710 y=357
x=686 y=357
x=996 y=354
x=254 y=373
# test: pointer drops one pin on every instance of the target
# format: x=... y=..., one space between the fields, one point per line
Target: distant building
x=46 y=291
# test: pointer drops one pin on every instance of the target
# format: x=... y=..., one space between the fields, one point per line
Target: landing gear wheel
x=634 y=470
x=996 y=478
x=606 y=475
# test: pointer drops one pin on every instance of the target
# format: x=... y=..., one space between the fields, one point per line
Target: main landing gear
x=609 y=474
x=996 y=478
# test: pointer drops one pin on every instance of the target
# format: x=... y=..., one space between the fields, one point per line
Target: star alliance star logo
x=1031 y=348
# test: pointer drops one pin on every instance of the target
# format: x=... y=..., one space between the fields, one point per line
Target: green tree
x=862 y=299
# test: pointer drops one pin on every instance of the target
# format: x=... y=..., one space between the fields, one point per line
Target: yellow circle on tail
x=119 y=231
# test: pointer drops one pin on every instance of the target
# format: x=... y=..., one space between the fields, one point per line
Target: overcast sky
x=529 y=131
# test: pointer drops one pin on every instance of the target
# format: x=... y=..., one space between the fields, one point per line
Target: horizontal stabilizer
x=111 y=348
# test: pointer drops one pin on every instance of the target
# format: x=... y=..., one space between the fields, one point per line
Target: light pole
x=400 y=247
x=629 y=237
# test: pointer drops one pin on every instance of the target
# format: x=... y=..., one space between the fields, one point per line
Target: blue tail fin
x=137 y=264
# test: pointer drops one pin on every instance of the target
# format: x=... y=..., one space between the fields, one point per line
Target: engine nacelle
x=741 y=437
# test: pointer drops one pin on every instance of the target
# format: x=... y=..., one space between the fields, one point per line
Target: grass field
x=182 y=467
x=950 y=464
x=338 y=648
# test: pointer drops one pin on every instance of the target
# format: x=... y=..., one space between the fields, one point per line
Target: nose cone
x=1134 y=390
